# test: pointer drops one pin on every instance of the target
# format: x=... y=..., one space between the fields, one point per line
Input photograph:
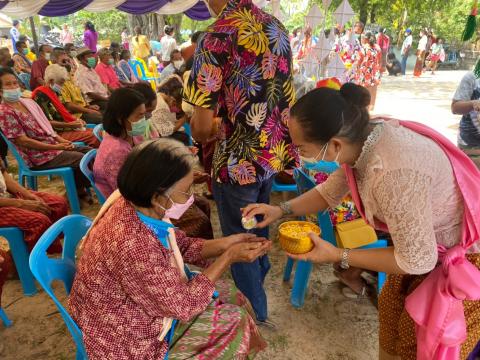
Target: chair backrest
x=25 y=79
x=46 y=270
x=304 y=184
x=16 y=154
x=188 y=131
x=86 y=167
x=138 y=69
x=97 y=131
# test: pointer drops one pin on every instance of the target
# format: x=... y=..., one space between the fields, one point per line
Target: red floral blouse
x=127 y=282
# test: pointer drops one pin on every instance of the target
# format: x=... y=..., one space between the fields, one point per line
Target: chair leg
x=72 y=195
x=381 y=280
x=20 y=256
x=32 y=183
x=288 y=269
x=6 y=321
x=300 y=283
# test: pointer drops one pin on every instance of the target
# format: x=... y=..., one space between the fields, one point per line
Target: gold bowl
x=293 y=236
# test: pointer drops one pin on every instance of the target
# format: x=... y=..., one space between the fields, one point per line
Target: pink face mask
x=176 y=211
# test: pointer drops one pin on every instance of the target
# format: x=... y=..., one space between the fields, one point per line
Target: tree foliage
x=446 y=17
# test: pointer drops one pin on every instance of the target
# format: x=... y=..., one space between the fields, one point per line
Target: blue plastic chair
x=284 y=187
x=304 y=268
x=97 y=131
x=31 y=176
x=46 y=269
x=6 y=321
x=25 y=79
x=188 y=131
x=88 y=159
x=19 y=251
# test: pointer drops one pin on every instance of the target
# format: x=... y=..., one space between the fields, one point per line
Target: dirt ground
x=329 y=326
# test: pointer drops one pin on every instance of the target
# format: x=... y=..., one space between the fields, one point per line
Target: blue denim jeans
x=248 y=277
x=404 y=64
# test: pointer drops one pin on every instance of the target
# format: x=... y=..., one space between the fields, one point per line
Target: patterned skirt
x=225 y=330
x=397 y=329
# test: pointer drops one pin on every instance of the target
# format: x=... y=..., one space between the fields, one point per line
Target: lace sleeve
x=334 y=189
x=163 y=121
x=404 y=200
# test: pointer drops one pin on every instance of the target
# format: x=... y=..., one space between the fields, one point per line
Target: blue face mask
x=139 y=128
x=12 y=95
x=321 y=165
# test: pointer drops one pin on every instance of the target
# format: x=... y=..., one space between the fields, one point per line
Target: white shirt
x=407 y=43
x=168 y=45
x=422 y=44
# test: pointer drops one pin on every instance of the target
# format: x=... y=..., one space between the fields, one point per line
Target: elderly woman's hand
x=248 y=252
x=241 y=238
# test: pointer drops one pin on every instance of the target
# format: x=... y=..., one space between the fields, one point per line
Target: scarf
x=436 y=305
x=61 y=109
x=36 y=111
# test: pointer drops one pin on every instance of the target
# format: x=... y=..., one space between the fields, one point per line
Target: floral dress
x=368 y=67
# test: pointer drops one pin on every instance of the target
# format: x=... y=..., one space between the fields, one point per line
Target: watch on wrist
x=286 y=208
x=344 y=262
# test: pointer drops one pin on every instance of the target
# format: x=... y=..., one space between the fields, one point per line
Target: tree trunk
x=373 y=14
x=402 y=28
x=363 y=13
x=151 y=24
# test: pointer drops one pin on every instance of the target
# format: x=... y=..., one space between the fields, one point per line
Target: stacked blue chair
x=66 y=173
x=97 y=131
x=46 y=269
x=136 y=66
x=88 y=159
x=304 y=268
x=19 y=252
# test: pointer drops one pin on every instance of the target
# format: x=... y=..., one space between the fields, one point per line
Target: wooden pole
x=34 y=34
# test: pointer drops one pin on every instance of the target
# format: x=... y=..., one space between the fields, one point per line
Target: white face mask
x=178 y=64
x=213 y=14
x=48 y=56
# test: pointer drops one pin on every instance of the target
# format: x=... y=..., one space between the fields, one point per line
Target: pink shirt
x=110 y=157
x=107 y=75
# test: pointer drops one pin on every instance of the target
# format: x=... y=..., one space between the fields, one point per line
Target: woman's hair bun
x=355 y=95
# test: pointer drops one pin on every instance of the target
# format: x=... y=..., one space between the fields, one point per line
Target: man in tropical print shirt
x=242 y=74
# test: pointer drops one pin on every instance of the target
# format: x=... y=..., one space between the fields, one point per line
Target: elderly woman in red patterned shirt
x=133 y=297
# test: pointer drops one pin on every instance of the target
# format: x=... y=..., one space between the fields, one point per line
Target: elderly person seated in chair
x=124 y=124
x=30 y=211
x=23 y=122
x=132 y=292
x=88 y=80
x=106 y=71
x=48 y=97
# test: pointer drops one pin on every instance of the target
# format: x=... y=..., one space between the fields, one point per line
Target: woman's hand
x=322 y=253
x=200 y=177
x=76 y=124
x=270 y=213
x=231 y=240
x=28 y=195
x=64 y=146
x=34 y=205
x=247 y=252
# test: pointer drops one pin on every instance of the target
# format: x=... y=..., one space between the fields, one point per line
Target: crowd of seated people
x=47 y=103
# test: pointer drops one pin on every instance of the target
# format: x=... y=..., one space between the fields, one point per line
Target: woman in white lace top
x=404 y=180
x=164 y=117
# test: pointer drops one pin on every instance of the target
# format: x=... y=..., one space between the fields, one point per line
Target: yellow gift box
x=354 y=234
